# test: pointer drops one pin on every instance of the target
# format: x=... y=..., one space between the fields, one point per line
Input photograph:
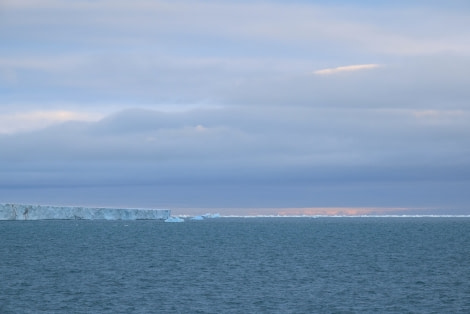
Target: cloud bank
x=27 y=121
x=235 y=151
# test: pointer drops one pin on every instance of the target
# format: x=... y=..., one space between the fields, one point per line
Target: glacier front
x=42 y=212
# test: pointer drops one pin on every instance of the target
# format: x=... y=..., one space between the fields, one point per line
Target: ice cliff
x=39 y=212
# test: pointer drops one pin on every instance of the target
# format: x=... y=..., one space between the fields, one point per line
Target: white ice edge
x=45 y=212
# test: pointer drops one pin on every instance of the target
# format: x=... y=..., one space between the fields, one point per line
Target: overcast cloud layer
x=235 y=104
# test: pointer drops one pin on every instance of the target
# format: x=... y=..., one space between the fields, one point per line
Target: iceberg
x=174 y=219
x=209 y=215
x=43 y=212
x=197 y=218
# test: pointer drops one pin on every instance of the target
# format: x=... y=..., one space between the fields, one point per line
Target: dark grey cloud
x=239 y=150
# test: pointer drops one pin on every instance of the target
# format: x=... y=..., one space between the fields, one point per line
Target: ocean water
x=236 y=265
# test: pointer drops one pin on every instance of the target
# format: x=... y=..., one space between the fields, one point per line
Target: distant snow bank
x=174 y=219
x=200 y=217
x=42 y=212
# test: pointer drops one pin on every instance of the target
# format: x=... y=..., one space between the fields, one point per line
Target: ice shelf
x=42 y=212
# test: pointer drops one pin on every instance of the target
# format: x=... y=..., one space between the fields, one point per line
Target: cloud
x=240 y=156
x=230 y=111
x=28 y=121
x=348 y=68
x=343 y=211
x=49 y=63
x=283 y=137
x=302 y=26
x=150 y=54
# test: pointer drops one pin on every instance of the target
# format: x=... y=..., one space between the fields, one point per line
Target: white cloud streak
x=347 y=68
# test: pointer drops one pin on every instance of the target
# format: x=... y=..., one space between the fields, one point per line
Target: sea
x=237 y=265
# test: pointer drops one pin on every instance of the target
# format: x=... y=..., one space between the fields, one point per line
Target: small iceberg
x=174 y=219
x=209 y=215
x=197 y=218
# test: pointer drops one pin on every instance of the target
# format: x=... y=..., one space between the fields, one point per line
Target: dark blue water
x=270 y=265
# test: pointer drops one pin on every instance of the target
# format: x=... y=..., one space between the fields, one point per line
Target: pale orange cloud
x=338 y=211
x=32 y=120
x=307 y=211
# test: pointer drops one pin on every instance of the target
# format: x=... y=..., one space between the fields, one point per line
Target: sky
x=235 y=104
